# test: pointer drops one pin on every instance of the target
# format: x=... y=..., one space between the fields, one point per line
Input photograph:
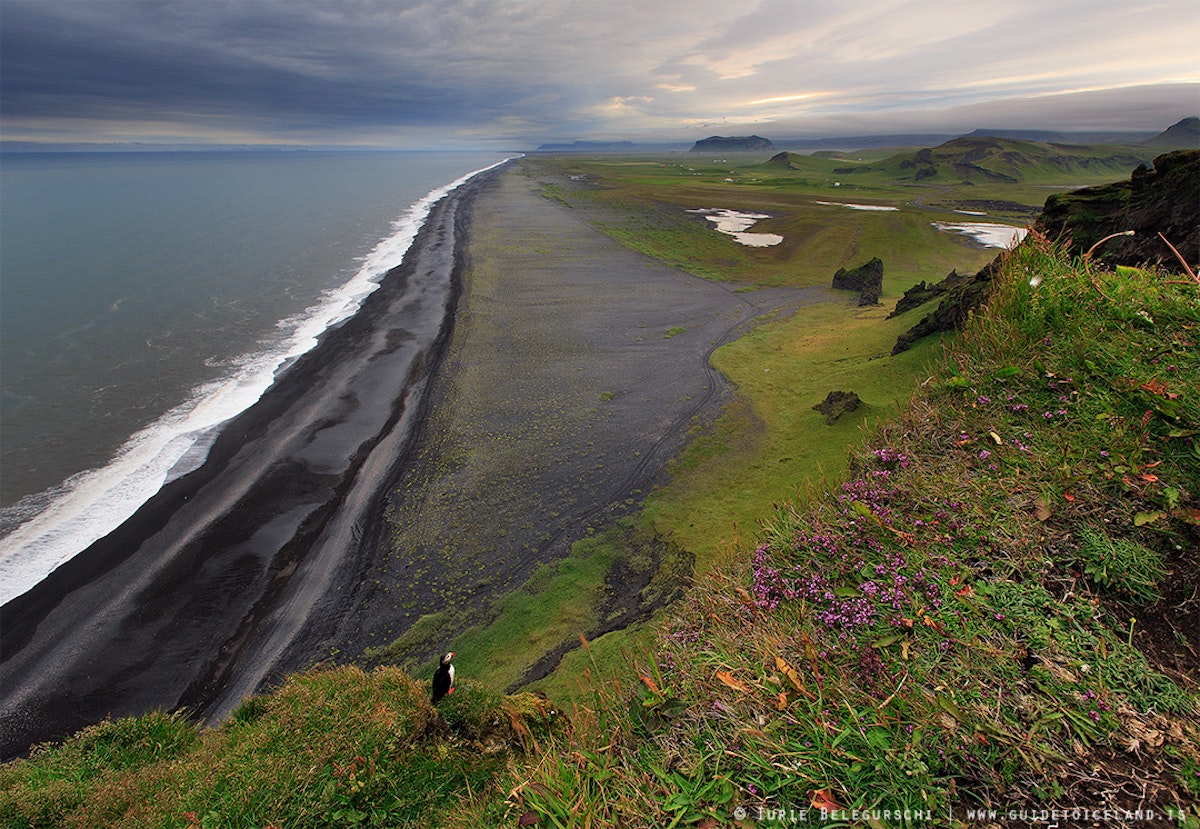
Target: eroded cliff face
x=962 y=295
x=1165 y=199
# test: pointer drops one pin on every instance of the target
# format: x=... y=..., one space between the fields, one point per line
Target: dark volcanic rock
x=922 y=162
x=866 y=279
x=921 y=293
x=1163 y=200
x=962 y=295
x=721 y=144
x=836 y=404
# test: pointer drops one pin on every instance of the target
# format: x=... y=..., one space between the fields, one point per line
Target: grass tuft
x=1123 y=565
x=332 y=747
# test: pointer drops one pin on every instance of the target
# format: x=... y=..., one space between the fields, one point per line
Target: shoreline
x=287 y=483
x=43 y=530
x=577 y=369
x=564 y=372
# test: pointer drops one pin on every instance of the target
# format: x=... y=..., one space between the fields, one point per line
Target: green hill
x=985 y=159
x=1184 y=135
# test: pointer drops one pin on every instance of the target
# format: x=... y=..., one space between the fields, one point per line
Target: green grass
x=926 y=635
x=561 y=603
x=1122 y=564
x=765 y=449
x=644 y=204
x=771 y=445
x=555 y=605
x=331 y=748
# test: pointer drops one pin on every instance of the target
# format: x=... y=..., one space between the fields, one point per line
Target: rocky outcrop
x=866 y=279
x=963 y=294
x=1164 y=200
x=922 y=163
x=836 y=404
x=721 y=144
x=921 y=293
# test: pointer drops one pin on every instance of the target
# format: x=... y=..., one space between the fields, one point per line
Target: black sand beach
x=192 y=601
x=576 y=370
x=325 y=518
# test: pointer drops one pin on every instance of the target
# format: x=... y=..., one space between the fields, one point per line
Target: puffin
x=443 y=678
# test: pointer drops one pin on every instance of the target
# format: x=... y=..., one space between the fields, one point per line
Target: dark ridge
x=746 y=144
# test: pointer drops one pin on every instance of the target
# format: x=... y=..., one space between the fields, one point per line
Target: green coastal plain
x=977 y=591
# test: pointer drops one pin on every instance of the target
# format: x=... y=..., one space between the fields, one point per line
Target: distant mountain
x=847 y=143
x=1060 y=137
x=720 y=144
x=610 y=147
x=1182 y=135
x=986 y=158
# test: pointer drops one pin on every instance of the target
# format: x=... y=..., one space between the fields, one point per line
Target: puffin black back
x=443 y=678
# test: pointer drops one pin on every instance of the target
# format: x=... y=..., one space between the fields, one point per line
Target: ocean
x=146 y=298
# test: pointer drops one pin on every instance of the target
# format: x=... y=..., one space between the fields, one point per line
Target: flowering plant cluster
x=932 y=622
x=860 y=575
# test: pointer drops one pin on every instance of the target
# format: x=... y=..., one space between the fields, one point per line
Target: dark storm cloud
x=403 y=71
x=248 y=64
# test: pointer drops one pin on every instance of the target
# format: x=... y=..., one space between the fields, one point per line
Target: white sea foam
x=735 y=223
x=67 y=519
x=988 y=234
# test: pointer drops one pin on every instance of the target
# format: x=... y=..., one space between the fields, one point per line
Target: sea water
x=146 y=298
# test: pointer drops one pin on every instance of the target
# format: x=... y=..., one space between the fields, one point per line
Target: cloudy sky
x=515 y=73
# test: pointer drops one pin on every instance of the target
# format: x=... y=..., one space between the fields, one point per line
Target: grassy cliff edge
x=995 y=610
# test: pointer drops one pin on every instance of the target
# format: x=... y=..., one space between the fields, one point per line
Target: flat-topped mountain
x=721 y=144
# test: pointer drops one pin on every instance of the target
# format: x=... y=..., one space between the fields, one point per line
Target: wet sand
x=415 y=461
x=194 y=600
x=576 y=371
